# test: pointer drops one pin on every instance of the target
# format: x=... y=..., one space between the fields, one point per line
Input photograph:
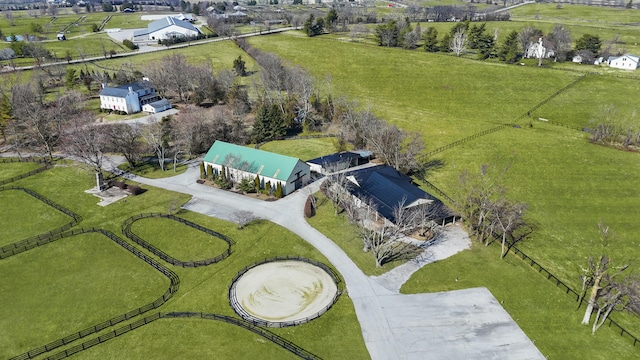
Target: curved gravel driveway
x=464 y=324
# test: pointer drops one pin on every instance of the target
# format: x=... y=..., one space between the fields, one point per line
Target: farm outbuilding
x=166 y=28
x=244 y=162
x=339 y=161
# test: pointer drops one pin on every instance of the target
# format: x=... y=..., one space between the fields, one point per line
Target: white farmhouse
x=624 y=62
x=131 y=98
x=537 y=50
x=166 y=28
x=243 y=162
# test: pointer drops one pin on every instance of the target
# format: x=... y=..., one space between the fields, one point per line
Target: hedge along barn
x=243 y=162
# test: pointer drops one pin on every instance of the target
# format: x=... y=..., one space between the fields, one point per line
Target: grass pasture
x=180 y=241
x=187 y=339
x=413 y=89
x=569 y=183
x=9 y=170
x=304 y=149
x=204 y=289
x=36 y=217
x=68 y=285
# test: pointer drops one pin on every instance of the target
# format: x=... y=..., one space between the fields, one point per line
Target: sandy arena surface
x=285 y=290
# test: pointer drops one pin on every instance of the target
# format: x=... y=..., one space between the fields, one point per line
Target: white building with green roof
x=244 y=162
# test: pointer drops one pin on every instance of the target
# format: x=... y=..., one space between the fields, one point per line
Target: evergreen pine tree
x=279 y=193
x=257 y=182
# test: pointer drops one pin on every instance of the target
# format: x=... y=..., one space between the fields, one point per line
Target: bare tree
x=86 y=141
x=459 y=42
x=127 y=140
x=336 y=189
x=383 y=238
x=527 y=36
x=600 y=276
x=154 y=134
x=508 y=216
x=52 y=9
x=560 y=41
x=243 y=217
x=10 y=17
x=75 y=8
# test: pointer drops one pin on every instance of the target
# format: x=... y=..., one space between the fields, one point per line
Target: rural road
x=464 y=324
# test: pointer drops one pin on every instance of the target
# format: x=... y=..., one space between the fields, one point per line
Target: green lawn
x=304 y=149
x=202 y=289
x=151 y=169
x=66 y=286
x=180 y=241
x=187 y=339
x=36 y=217
x=9 y=170
x=543 y=311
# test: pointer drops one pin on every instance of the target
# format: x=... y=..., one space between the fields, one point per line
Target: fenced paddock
x=267 y=335
x=37 y=240
x=173 y=288
x=126 y=230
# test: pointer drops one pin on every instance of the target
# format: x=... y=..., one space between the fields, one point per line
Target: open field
x=201 y=289
x=569 y=184
x=68 y=285
x=417 y=90
x=36 y=217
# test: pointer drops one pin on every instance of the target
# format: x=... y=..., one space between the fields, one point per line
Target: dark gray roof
x=123 y=90
x=159 y=104
x=168 y=21
x=334 y=158
x=387 y=188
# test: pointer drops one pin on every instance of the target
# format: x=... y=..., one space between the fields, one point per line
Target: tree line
x=529 y=42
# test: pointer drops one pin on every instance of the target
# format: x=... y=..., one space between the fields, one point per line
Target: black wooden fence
x=34 y=241
x=126 y=230
x=568 y=290
x=46 y=165
x=233 y=301
x=278 y=340
x=173 y=288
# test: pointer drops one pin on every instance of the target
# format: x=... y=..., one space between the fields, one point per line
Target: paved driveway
x=464 y=324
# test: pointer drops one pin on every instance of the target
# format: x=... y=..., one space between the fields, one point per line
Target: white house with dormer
x=624 y=62
x=132 y=98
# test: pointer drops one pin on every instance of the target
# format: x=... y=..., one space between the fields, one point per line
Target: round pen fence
x=239 y=309
x=173 y=288
x=126 y=230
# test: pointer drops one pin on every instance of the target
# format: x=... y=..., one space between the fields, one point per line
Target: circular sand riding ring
x=279 y=293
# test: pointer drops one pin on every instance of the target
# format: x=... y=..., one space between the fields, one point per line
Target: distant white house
x=132 y=98
x=624 y=62
x=166 y=28
x=537 y=50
